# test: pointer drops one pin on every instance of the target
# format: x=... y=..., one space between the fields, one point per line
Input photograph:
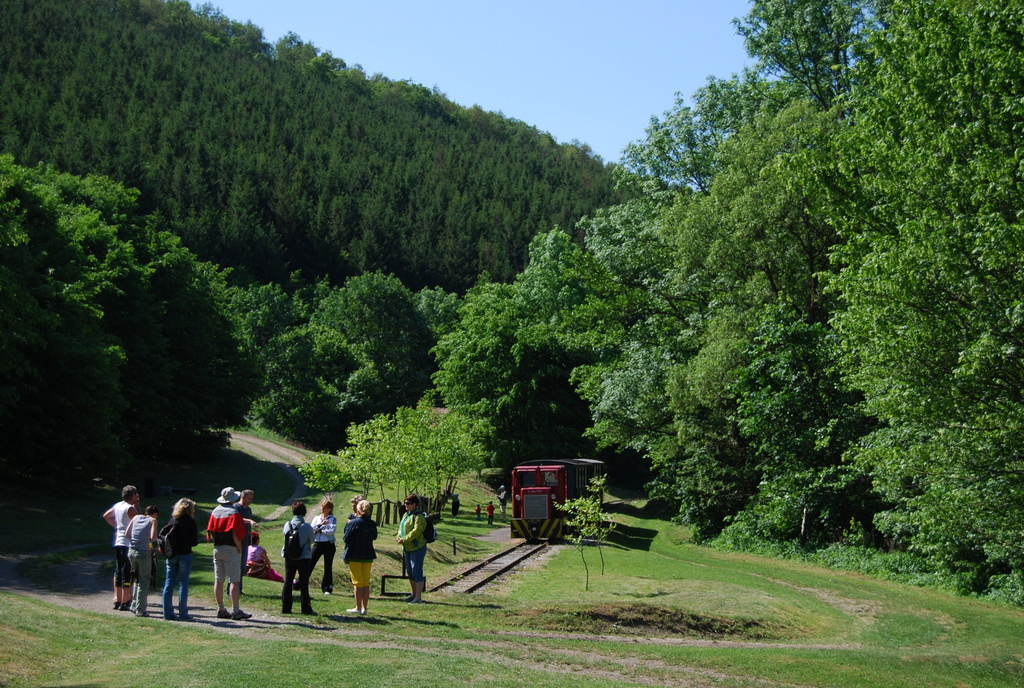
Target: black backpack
x=430 y=533
x=292 y=544
x=164 y=540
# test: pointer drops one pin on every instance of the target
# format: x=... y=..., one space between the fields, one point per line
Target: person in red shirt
x=490 y=513
x=226 y=529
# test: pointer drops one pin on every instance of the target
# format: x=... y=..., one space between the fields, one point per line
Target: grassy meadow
x=664 y=612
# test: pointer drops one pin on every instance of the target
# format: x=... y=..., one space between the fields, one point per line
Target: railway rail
x=479 y=575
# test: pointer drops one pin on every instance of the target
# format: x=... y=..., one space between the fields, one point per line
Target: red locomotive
x=538 y=490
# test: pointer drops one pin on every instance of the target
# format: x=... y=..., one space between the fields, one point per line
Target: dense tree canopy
x=333 y=356
x=809 y=321
x=933 y=327
x=115 y=340
x=380 y=319
x=504 y=362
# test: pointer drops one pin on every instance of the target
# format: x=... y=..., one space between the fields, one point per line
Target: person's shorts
x=414 y=564
x=360 y=571
x=122 y=568
x=227 y=564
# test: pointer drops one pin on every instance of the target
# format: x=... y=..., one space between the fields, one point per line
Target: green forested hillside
x=805 y=320
x=277 y=158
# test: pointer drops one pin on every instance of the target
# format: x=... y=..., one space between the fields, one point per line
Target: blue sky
x=595 y=70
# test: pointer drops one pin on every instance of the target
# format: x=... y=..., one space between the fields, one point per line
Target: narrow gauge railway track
x=479 y=575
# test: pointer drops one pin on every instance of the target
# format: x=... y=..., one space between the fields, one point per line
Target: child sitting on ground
x=258 y=562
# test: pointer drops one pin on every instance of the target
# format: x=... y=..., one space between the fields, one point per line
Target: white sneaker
x=353 y=611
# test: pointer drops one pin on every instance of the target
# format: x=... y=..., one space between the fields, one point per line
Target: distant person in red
x=226 y=529
x=490 y=513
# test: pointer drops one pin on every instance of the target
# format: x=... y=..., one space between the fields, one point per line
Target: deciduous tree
x=932 y=326
x=415 y=449
x=586 y=522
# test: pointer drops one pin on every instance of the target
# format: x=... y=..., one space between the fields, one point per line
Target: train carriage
x=539 y=488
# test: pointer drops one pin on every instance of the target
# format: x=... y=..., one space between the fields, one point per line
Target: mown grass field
x=664 y=612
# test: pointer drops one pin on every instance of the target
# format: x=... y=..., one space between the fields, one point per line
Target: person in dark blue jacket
x=360 y=532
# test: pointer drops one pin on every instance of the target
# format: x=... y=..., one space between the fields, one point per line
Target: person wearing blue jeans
x=184 y=537
x=414 y=546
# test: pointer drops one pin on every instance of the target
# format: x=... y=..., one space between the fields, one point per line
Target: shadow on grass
x=235 y=468
x=47 y=571
x=652 y=509
x=631 y=537
x=374 y=617
x=370 y=619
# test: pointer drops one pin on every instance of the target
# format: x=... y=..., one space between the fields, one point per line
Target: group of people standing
x=318 y=541
x=237 y=552
x=135 y=535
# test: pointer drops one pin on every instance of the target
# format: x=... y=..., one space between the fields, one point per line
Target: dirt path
x=285 y=458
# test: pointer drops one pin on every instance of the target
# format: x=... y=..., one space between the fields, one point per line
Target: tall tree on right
x=934 y=318
x=505 y=363
x=713 y=327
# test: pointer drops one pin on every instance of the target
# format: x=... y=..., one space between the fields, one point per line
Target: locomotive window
x=527 y=479
x=550 y=479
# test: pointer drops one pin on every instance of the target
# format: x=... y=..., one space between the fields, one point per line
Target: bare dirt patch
x=642 y=620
